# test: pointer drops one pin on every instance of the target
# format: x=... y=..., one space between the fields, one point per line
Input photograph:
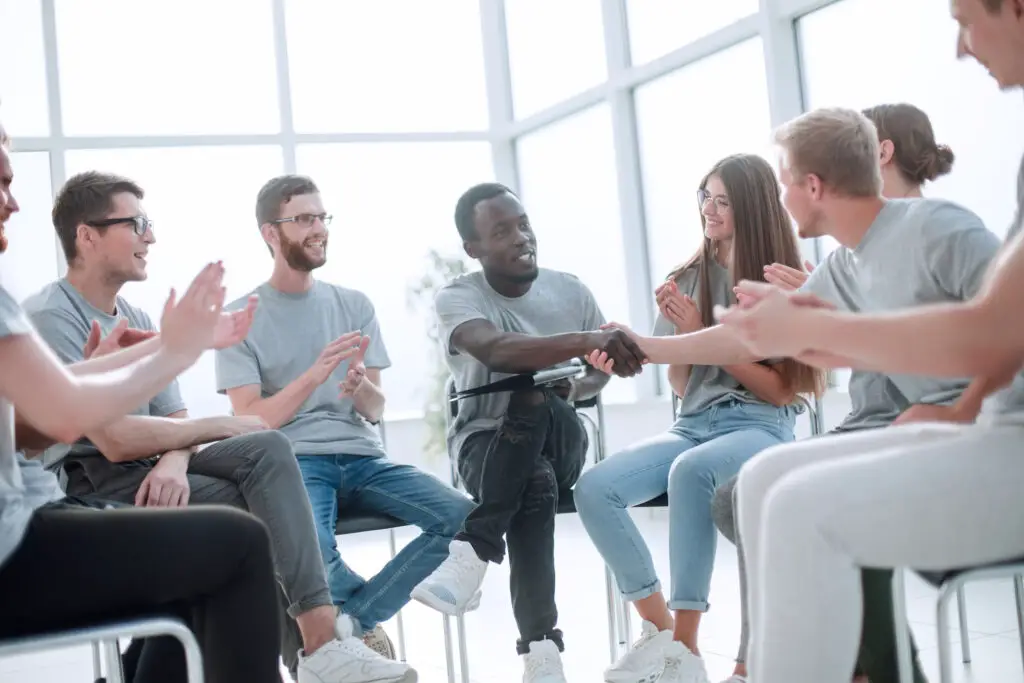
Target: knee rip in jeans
x=541 y=491
x=519 y=424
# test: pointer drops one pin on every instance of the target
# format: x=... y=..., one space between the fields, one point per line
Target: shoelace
x=357 y=648
x=459 y=566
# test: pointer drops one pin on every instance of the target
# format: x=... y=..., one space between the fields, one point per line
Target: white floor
x=581 y=590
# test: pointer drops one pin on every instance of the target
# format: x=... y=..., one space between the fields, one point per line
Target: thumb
x=94 y=335
x=170 y=302
x=808 y=266
x=118 y=331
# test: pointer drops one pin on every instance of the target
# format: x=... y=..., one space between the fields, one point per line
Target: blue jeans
x=690 y=461
x=371 y=485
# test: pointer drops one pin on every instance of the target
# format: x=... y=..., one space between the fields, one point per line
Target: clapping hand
x=787 y=277
x=233 y=327
x=356 y=370
x=121 y=337
x=188 y=326
x=678 y=308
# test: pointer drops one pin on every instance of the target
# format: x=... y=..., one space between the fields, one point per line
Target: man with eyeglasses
x=294 y=373
x=150 y=458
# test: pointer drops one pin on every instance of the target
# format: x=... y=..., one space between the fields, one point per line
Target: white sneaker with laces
x=347 y=659
x=682 y=666
x=543 y=663
x=645 y=660
x=454 y=587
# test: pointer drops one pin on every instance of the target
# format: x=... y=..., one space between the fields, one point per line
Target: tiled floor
x=581 y=590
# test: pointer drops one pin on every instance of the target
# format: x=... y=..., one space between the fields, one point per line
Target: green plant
x=440 y=270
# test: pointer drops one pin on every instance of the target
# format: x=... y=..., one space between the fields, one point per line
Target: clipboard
x=528 y=380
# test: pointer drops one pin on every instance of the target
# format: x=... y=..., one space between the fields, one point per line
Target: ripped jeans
x=515 y=474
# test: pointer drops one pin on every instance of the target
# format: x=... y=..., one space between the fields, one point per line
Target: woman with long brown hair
x=726 y=416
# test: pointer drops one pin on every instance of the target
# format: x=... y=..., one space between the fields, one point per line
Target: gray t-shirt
x=557 y=303
x=19 y=495
x=707 y=384
x=917 y=251
x=288 y=334
x=64 y=318
x=1011 y=399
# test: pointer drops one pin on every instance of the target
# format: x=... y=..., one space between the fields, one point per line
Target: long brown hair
x=763 y=235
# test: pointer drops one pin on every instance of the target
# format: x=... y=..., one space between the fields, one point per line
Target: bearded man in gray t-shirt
x=515 y=452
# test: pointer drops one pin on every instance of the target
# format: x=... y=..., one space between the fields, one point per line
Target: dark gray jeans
x=256 y=472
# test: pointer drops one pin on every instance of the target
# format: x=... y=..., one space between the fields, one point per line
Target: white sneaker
x=645 y=660
x=454 y=587
x=348 y=660
x=543 y=663
x=682 y=666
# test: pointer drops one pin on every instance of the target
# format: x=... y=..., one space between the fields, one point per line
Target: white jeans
x=930 y=496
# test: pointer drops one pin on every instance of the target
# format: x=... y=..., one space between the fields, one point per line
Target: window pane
x=181 y=68
x=202 y=202
x=31 y=258
x=23 y=100
x=680 y=139
x=981 y=124
x=556 y=50
x=392 y=204
x=657 y=28
x=569 y=188
x=386 y=65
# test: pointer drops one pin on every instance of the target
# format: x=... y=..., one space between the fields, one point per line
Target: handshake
x=615 y=349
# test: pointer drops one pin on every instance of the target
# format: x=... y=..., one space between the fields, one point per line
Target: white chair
x=106 y=636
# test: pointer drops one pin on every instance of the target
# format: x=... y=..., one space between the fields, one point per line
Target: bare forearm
x=134 y=437
x=280 y=408
x=763 y=382
x=28 y=438
x=113 y=361
x=947 y=340
x=369 y=401
x=711 y=346
x=515 y=353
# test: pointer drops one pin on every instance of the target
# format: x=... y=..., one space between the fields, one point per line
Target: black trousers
x=515 y=473
x=208 y=566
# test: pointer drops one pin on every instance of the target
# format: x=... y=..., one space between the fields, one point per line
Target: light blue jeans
x=690 y=461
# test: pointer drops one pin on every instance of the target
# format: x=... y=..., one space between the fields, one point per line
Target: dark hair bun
x=939 y=163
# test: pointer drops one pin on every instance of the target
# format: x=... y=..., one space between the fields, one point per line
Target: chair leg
x=115 y=674
x=449 y=659
x=97 y=664
x=965 y=638
x=904 y=657
x=942 y=619
x=613 y=616
x=627 y=625
x=1018 y=590
x=398 y=617
x=460 y=626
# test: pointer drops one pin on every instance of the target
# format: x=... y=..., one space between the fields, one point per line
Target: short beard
x=525 y=278
x=296 y=257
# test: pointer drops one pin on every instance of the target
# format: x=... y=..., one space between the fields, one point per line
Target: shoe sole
x=427 y=598
x=630 y=677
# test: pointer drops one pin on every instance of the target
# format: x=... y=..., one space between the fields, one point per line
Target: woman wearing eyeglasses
x=726 y=416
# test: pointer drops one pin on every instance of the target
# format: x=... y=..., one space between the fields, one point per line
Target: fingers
x=811 y=301
x=756 y=291
x=142 y=495
x=600 y=360
x=94 y=339
x=628 y=357
x=186 y=495
x=784 y=276
x=808 y=266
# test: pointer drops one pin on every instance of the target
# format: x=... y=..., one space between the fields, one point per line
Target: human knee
x=722 y=511
x=453 y=513
x=526 y=399
x=272 y=447
x=691 y=476
x=593 y=488
x=759 y=473
x=230 y=525
x=541 y=493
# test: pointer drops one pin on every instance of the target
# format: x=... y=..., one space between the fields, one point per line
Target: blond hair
x=840 y=146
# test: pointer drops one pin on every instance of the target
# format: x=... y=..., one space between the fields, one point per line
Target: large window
x=657 y=28
x=167 y=68
x=23 y=89
x=31 y=258
x=567 y=178
x=392 y=204
x=202 y=202
x=386 y=65
x=555 y=50
x=687 y=121
x=980 y=124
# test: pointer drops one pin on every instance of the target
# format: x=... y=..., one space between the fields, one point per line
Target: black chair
x=355 y=521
